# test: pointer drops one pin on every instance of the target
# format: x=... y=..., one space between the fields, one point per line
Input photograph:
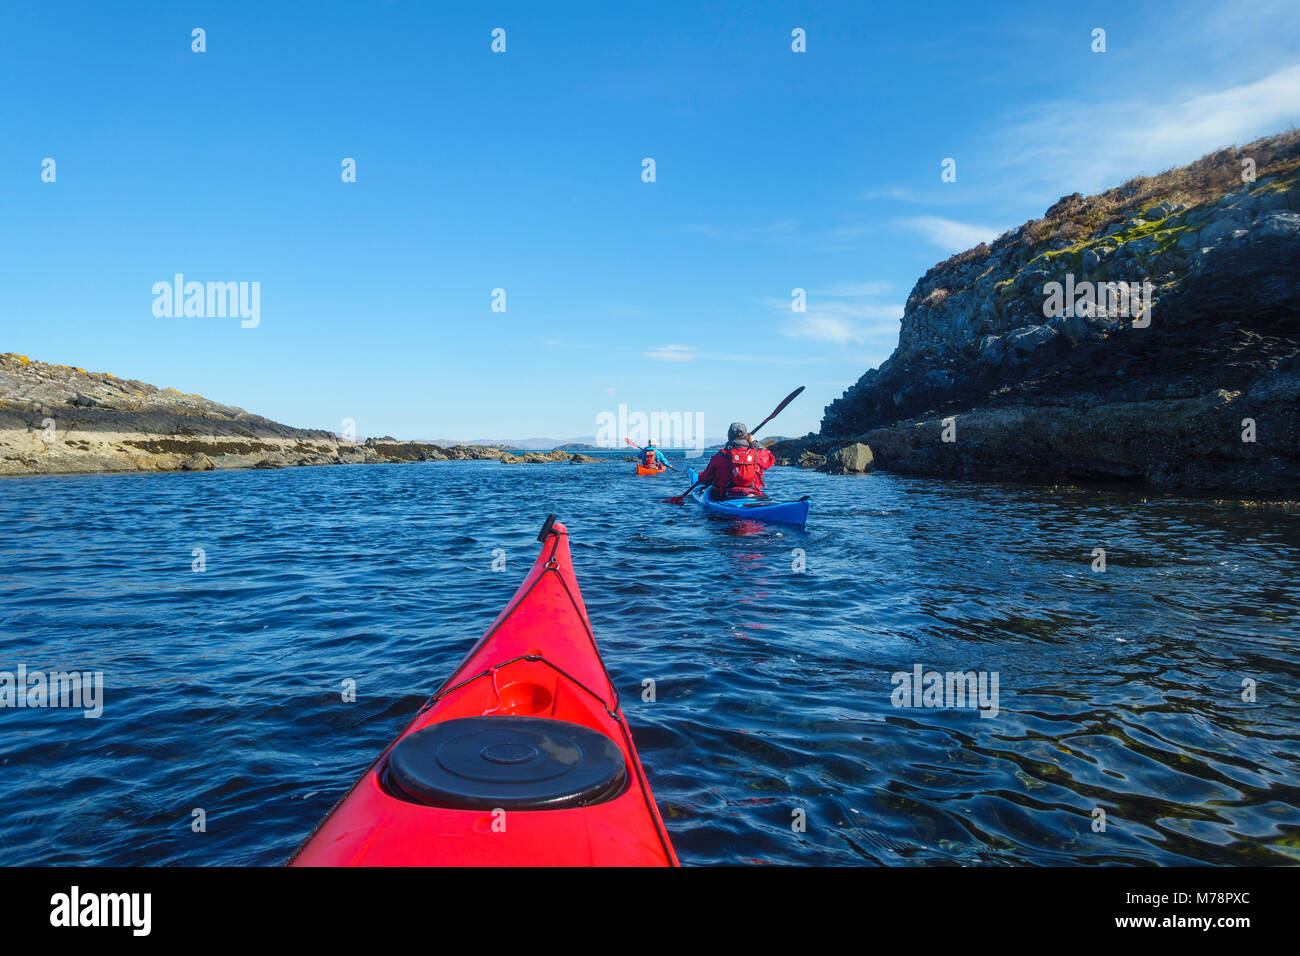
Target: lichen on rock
x=1220 y=262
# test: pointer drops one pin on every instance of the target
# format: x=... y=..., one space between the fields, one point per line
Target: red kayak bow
x=523 y=758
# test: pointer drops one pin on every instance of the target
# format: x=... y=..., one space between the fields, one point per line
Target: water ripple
x=1120 y=691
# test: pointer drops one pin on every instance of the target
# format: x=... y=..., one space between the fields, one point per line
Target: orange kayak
x=643 y=470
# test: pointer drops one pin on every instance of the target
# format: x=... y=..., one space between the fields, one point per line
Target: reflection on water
x=1119 y=691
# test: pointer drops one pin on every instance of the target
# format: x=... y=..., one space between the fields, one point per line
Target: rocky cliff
x=58 y=420
x=1191 y=382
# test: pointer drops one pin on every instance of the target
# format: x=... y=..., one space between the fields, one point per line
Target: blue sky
x=522 y=171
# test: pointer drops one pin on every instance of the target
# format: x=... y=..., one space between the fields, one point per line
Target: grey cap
x=737 y=431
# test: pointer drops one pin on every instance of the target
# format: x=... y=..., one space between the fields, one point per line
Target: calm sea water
x=1119 y=690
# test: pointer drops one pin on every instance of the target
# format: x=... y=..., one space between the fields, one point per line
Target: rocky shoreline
x=1200 y=392
x=58 y=420
x=1195 y=390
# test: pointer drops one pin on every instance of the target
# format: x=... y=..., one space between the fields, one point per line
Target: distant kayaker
x=736 y=470
x=650 y=457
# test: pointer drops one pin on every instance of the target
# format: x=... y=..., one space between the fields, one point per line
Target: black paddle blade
x=780 y=408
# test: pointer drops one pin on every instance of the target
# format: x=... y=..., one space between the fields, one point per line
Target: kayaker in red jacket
x=736 y=471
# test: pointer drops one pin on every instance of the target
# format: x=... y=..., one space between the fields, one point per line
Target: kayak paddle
x=779 y=409
x=681 y=499
x=639 y=448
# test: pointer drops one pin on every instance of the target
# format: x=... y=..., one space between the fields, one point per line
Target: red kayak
x=522 y=758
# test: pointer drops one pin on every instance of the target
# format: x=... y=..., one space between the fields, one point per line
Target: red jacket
x=718 y=471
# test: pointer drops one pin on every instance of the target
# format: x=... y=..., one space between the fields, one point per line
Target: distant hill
x=584 y=443
x=56 y=419
x=528 y=444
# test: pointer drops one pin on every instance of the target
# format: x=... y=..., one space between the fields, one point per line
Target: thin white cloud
x=934 y=193
x=949 y=234
x=689 y=353
x=672 y=353
x=897 y=193
x=852 y=232
x=843 y=318
x=1234 y=115
x=1143 y=137
x=768 y=233
x=767 y=359
x=856 y=289
x=821 y=327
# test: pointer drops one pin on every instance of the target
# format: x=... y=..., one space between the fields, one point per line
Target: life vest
x=650 y=458
x=744 y=470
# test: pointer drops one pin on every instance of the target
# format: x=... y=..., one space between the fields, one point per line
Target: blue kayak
x=754 y=509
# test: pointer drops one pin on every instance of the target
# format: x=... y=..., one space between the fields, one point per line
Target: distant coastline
x=61 y=420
